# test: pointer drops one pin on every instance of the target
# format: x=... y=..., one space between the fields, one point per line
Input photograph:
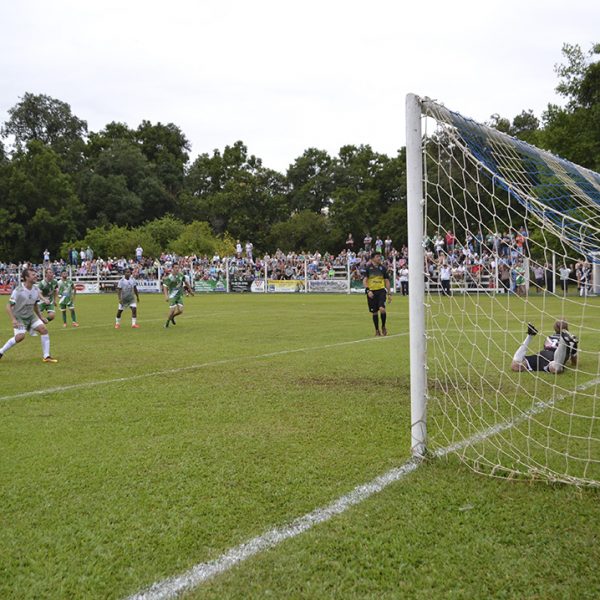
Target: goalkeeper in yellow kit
x=377 y=288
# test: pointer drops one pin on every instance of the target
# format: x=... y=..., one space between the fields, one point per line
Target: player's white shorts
x=126 y=305
x=22 y=328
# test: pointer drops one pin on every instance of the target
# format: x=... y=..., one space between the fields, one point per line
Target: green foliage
x=310 y=181
x=305 y=231
x=574 y=131
x=196 y=238
x=40 y=205
x=163 y=231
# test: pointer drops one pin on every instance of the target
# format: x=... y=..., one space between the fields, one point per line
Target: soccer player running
x=24 y=312
x=174 y=286
x=377 y=288
x=558 y=348
x=49 y=294
x=66 y=299
x=128 y=295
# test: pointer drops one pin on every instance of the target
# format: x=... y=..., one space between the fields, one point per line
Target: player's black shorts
x=378 y=300
x=539 y=362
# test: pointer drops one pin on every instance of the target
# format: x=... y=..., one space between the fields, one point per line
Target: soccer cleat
x=531 y=330
x=167 y=324
x=117 y=326
x=377 y=333
x=570 y=340
x=136 y=326
x=75 y=324
x=173 y=320
x=64 y=325
x=384 y=331
x=49 y=359
x=1 y=355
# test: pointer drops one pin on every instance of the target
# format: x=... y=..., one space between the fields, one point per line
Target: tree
x=574 y=131
x=166 y=149
x=305 y=230
x=40 y=118
x=235 y=194
x=367 y=185
x=40 y=208
x=310 y=181
x=197 y=238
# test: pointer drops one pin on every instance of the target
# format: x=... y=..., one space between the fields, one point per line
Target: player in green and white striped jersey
x=49 y=289
x=24 y=312
x=174 y=286
x=66 y=298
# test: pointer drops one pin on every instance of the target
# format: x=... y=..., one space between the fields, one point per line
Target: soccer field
x=143 y=453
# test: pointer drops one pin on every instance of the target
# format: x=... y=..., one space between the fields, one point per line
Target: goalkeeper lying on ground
x=558 y=348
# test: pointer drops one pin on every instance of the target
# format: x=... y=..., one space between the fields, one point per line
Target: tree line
x=62 y=185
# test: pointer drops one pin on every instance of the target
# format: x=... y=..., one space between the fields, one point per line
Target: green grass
x=249 y=413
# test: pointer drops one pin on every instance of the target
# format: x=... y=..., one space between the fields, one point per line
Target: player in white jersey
x=25 y=315
x=128 y=295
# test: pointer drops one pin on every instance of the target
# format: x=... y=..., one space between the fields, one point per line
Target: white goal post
x=501 y=234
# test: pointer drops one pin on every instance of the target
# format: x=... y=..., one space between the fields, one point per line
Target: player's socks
x=64 y=316
x=45 y=345
x=9 y=344
x=73 y=317
x=173 y=320
x=118 y=321
x=383 y=319
x=376 y=321
x=560 y=356
x=167 y=323
x=133 y=320
x=522 y=351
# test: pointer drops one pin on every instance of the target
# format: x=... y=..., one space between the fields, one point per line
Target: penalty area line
x=213 y=363
x=170 y=588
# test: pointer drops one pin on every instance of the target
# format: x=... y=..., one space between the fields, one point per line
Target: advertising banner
x=238 y=284
x=285 y=286
x=148 y=286
x=258 y=285
x=6 y=288
x=87 y=287
x=328 y=286
x=209 y=285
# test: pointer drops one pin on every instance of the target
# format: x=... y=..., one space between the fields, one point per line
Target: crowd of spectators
x=495 y=261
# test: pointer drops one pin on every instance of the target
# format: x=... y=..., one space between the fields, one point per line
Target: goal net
x=502 y=234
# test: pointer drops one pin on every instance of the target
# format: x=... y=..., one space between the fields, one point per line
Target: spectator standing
x=350 y=243
x=538 y=275
x=564 y=274
x=139 y=253
x=367 y=242
x=404 y=280
x=387 y=246
x=445 y=276
x=46 y=257
x=249 y=249
x=378 y=245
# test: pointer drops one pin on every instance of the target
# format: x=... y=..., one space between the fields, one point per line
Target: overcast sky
x=285 y=76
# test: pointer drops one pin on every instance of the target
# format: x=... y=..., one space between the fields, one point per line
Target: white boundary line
x=173 y=586
x=214 y=363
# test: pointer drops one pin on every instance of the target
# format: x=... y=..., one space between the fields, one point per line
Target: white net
x=511 y=236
